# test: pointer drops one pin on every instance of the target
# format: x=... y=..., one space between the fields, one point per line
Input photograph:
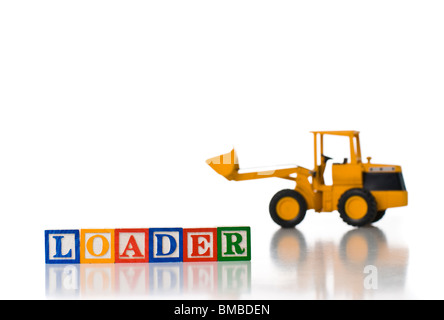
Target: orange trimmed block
x=97 y=246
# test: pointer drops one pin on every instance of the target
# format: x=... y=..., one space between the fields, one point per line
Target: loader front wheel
x=288 y=208
x=357 y=207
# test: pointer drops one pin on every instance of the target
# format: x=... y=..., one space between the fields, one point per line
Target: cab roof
x=348 y=133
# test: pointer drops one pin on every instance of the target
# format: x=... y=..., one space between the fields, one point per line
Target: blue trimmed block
x=165 y=244
x=62 y=246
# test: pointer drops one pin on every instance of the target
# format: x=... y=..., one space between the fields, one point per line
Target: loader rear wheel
x=357 y=207
x=288 y=208
x=379 y=215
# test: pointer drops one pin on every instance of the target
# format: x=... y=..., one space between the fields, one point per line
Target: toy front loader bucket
x=226 y=164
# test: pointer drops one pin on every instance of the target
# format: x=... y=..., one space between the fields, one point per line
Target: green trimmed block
x=234 y=244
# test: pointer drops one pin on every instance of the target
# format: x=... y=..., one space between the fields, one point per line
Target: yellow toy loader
x=361 y=192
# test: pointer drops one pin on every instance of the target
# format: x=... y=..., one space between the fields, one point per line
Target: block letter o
x=105 y=245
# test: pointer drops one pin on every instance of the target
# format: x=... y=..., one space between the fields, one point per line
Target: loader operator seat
x=344 y=162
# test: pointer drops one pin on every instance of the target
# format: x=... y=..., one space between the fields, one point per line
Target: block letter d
x=173 y=244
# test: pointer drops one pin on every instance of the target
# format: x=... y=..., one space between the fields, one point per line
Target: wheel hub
x=356 y=207
x=287 y=208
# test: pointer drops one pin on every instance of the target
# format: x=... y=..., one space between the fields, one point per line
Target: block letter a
x=132 y=246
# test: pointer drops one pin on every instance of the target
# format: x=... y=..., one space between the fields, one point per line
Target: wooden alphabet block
x=234 y=243
x=97 y=246
x=165 y=244
x=200 y=244
x=131 y=245
x=62 y=246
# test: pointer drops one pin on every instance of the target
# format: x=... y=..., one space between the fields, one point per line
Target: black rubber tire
x=369 y=216
x=302 y=208
x=379 y=216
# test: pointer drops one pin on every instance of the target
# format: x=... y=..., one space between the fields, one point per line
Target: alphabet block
x=62 y=246
x=131 y=245
x=200 y=244
x=234 y=243
x=165 y=244
x=97 y=246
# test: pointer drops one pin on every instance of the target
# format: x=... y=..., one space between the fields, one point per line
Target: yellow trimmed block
x=97 y=246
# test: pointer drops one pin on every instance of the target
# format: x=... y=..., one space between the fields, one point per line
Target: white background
x=109 y=109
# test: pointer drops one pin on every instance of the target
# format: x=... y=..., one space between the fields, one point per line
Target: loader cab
x=340 y=162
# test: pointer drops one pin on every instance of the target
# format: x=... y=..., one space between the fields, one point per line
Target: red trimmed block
x=131 y=245
x=200 y=244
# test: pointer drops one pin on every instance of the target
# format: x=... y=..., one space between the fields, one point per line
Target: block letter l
x=59 y=254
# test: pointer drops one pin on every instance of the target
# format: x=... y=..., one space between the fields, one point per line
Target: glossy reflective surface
x=360 y=264
x=157 y=280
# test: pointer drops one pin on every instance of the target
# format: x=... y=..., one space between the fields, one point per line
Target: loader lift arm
x=227 y=165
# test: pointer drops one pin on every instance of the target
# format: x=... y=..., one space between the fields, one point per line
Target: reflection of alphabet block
x=62 y=246
x=97 y=246
x=200 y=244
x=234 y=277
x=97 y=280
x=166 y=278
x=132 y=278
x=63 y=280
x=234 y=243
x=201 y=277
x=131 y=245
x=165 y=245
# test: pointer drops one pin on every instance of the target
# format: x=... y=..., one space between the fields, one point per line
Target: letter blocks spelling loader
x=361 y=192
x=147 y=245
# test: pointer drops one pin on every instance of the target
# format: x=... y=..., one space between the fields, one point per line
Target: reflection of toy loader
x=361 y=192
